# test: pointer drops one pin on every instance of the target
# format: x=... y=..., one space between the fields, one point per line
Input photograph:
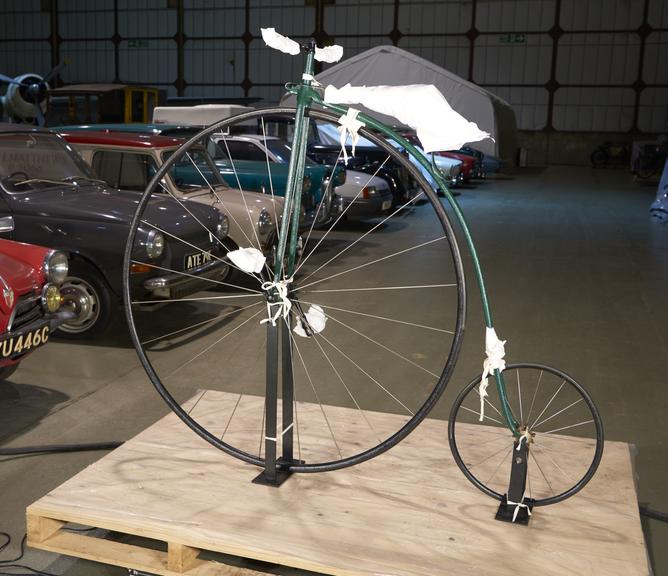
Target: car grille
x=27 y=310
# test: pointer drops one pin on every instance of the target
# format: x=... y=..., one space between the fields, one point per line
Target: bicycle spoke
x=503 y=459
x=519 y=397
x=486 y=458
x=271 y=180
x=203 y=278
x=535 y=392
x=365 y=373
x=243 y=196
x=408 y=287
x=397 y=354
x=557 y=413
x=350 y=394
x=485 y=417
x=563 y=383
x=315 y=392
x=214 y=344
x=197 y=401
x=554 y=462
x=199 y=324
x=338 y=219
x=542 y=473
x=355 y=242
x=381 y=318
x=229 y=420
x=197 y=298
x=567 y=427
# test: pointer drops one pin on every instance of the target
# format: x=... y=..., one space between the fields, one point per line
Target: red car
x=30 y=277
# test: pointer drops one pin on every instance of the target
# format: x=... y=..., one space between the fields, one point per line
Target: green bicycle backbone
x=288 y=237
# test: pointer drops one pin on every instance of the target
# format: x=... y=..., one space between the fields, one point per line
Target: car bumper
x=179 y=285
x=363 y=208
x=16 y=344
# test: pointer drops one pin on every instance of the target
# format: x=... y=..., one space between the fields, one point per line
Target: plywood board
x=409 y=512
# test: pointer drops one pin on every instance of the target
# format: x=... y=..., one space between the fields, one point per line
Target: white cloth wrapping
x=275 y=40
x=248 y=259
x=420 y=106
x=316 y=319
x=329 y=54
x=349 y=125
x=279 y=42
x=496 y=351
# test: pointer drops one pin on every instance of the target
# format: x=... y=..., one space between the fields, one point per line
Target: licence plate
x=386 y=205
x=197 y=259
x=20 y=343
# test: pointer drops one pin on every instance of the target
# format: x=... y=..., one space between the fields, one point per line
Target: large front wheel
x=391 y=292
x=557 y=418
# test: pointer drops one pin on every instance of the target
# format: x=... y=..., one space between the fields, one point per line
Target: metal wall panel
x=88 y=61
x=515 y=15
x=601 y=14
x=594 y=109
x=598 y=58
x=23 y=20
x=500 y=62
x=449 y=52
x=363 y=17
x=653 y=112
x=16 y=59
x=550 y=58
x=530 y=105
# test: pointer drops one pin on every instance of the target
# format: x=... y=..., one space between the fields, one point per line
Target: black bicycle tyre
x=455 y=347
x=591 y=470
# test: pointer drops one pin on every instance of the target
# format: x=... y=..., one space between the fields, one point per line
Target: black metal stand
x=276 y=469
x=515 y=507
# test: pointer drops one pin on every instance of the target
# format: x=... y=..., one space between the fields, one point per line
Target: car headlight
x=369 y=192
x=51 y=298
x=55 y=267
x=306 y=184
x=155 y=244
x=265 y=223
x=223 y=227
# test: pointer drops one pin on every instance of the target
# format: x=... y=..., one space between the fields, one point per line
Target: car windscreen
x=42 y=159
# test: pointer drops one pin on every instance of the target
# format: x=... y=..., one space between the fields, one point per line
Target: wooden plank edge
x=128 y=555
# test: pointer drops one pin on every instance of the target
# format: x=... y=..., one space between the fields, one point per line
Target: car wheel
x=7 y=371
x=87 y=294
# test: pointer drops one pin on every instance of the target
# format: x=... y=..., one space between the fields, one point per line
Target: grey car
x=56 y=201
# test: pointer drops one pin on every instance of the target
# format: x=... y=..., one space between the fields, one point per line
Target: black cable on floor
x=4 y=564
x=58 y=448
x=653 y=514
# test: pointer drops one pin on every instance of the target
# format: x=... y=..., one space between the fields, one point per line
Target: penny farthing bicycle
x=331 y=346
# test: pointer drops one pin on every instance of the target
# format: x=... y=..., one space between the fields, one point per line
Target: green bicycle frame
x=307 y=95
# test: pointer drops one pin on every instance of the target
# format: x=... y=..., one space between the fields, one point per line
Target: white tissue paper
x=329 y=53
x=248 y=259
x=279 y=42
x=316 y=319
x=420 y=106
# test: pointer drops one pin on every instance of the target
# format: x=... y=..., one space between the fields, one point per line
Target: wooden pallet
x=409 y=512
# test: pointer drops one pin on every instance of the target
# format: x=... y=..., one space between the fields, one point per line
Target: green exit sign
x=137 y=43
x=513 y=39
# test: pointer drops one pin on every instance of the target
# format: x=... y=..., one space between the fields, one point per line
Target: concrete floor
x=577 y=274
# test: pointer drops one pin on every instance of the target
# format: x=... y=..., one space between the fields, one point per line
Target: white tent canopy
x=392 y=66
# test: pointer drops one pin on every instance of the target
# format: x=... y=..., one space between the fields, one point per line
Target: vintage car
x=30 y=307
x=128 y=161
x=250 y=175
x=55 y=200
x=361 y=195
x=449 y=168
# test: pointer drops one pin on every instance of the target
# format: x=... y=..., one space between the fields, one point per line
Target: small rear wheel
x=556 y=415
